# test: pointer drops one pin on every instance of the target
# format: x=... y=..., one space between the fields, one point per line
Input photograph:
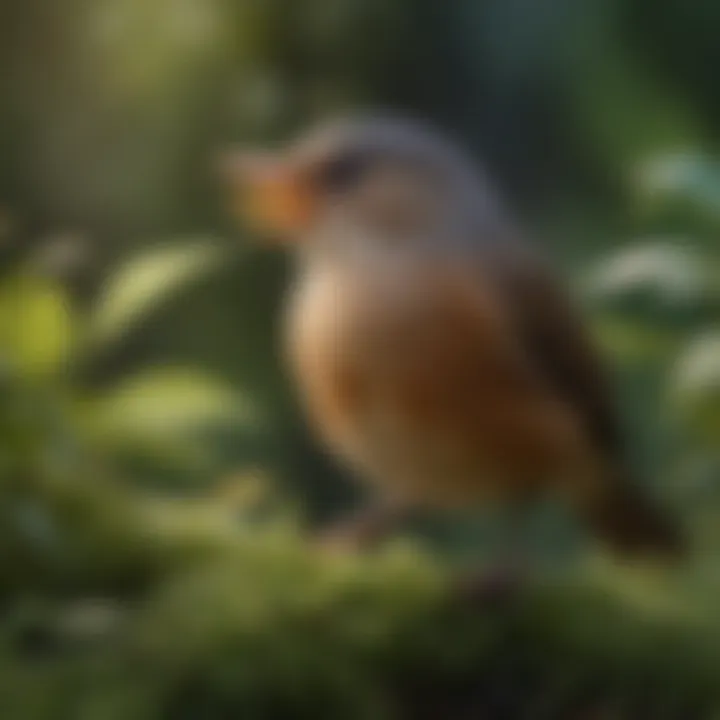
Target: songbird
x=435 y=353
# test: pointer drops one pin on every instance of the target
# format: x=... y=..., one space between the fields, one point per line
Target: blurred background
x=153 y=464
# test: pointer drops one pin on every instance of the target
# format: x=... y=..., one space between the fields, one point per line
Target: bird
x=436 y=353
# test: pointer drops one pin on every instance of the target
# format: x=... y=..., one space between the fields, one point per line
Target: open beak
x=269 y=193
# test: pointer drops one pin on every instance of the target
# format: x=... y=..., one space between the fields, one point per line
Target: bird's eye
x=342 y=172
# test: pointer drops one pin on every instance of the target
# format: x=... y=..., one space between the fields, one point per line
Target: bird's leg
x=363 y=529
x=500 y=581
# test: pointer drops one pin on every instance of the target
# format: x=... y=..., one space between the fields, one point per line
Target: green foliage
x=697 y=386
x=36 y=328
x=686 y=183
x=145 y=281
x=262 y=626
x=160 y=416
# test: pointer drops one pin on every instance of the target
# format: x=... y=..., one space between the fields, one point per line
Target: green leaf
x=146 y=281
x=165 y=409
x=633 y=342
x=36 y=325
x=661 y=272
x=695 y=388
x=691 y=177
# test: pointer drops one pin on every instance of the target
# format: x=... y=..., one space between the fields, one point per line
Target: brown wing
x=618 y=510
x=556 y=340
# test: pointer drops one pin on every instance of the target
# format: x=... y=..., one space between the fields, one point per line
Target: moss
x=264 y=626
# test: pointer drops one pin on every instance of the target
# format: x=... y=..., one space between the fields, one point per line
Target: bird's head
x=386 y=177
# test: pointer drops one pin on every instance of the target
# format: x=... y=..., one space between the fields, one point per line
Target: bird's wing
x=556 y=341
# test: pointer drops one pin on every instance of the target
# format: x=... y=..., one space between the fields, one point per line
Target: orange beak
x=269 y=193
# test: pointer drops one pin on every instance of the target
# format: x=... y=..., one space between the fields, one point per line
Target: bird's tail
x=632 y=524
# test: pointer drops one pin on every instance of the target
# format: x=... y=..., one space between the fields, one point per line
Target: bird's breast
x=409 y=374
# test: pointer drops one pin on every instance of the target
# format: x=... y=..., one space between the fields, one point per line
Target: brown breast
x=410 y=372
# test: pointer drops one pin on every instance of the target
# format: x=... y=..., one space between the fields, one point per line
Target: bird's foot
x=359 y=532
x=493 y=587
x=340 y=540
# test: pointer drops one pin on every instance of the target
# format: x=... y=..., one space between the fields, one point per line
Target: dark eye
x=342 y=173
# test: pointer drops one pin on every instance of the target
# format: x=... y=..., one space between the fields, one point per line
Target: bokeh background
x=154 y=470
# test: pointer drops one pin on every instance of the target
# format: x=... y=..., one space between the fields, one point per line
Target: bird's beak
x=269 y=193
